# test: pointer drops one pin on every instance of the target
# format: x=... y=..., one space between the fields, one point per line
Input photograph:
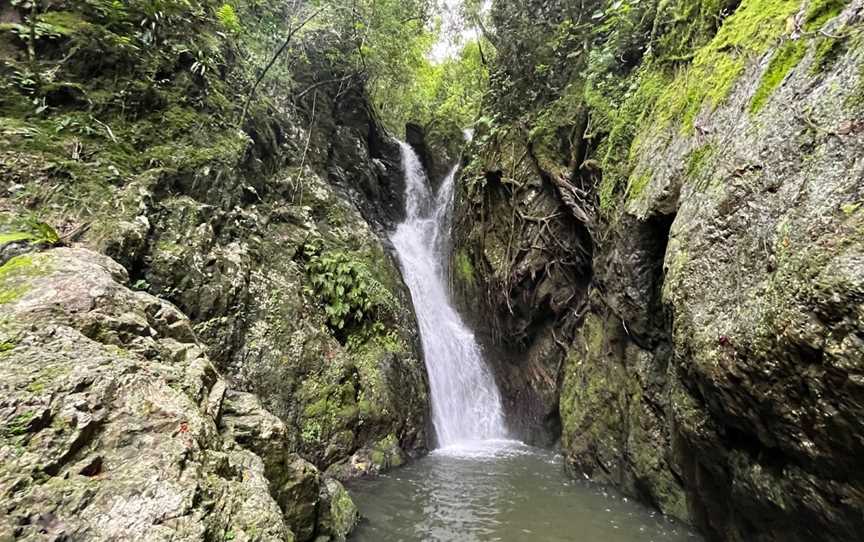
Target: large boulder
x=338 y=515
x=110 y=415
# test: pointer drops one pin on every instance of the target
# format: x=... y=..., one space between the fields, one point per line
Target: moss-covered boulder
x=338 y=515
x=103 y=387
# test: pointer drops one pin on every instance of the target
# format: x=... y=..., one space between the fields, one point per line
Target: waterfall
x=466 y=405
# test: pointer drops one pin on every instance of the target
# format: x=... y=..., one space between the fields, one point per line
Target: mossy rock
x=338 y=515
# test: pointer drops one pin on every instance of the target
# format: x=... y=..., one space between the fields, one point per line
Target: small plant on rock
x=228 y=18
x=351 y=294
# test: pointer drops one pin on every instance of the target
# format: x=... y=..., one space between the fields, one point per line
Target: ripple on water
x=500 y=490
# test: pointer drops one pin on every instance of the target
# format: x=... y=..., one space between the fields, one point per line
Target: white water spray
x=466 y=405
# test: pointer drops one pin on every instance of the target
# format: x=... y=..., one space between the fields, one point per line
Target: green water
x=500 y=492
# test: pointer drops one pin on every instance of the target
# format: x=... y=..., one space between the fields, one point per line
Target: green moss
x=856 y=97
x=850 y=208
x=19 y=425
x=318 y=408
x=343 y=512
x=828 y=50
x=591 y=379
x=378 y=458
x=46 y=377
x=167 y=97
x=386 y=453
x=350 y=390
x=607 y=193
x=464 y=267
x=337 y=214
x=749 y=32
x=594 y=336
x=63 y=23
x=686 y=25
x=637 y=184
x=623 y=122
x=223 y=150
x=663 y=92
x=697 y=160
x=785 y=59
x=323 y=400
x=366 y=349
x=820 y=12
x=11 y=288
x=725 y=70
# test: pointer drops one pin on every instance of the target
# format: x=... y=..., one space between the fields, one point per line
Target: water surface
x=502 y=491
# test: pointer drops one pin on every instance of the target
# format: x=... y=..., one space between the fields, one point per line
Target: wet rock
x=713 y=355
x=296 y=489
x=241 y=277
x=337 y=515
x=370 y=461
x=310 y=503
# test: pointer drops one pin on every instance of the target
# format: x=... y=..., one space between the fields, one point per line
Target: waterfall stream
x=466 y=405
x=477 y=486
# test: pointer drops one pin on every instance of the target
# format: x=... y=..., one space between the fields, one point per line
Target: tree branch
x=321 y=84
x=291 y=32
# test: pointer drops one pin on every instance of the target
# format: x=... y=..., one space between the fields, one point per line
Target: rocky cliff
x=202 y=329
x=663 y=215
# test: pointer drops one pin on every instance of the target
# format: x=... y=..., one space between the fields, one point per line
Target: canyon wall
x=662 y=213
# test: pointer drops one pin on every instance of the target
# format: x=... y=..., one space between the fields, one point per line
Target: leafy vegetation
x=27 y=229
x=100 y=92
x=637 y=68
x=350 y=293
x=393 y=41
x=228 y=17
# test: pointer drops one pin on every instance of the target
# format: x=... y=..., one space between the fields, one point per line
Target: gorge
x=234 y=305
x=478 y=484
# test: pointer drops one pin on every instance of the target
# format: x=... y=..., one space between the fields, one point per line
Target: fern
x=349 y=291
x=228 y=17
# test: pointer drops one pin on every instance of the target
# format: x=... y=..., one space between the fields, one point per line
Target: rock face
x=250 y=292
x=111 y=417
x=675 y=236
x=201 y=322
x=524 y=258
x=110 y=401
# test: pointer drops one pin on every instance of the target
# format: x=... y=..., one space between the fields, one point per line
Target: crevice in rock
x=772 y=459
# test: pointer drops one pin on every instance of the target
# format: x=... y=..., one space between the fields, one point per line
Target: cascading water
x=478 y=486
x=466 y=405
